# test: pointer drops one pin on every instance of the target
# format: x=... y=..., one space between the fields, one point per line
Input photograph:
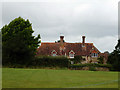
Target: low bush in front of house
x=90 y=66
x=50 y=61
x=43 y=62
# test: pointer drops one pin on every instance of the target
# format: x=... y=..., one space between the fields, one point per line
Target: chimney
x=83 y=39
x=61 y=39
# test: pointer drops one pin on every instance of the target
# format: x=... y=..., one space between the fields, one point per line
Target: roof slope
x=78 y=48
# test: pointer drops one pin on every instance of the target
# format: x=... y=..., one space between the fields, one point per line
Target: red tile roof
x=94 y=51
x=78 y=48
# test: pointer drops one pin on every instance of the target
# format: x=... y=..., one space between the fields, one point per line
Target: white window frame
x=71 y=55
x=94 y=55
x=54 y=54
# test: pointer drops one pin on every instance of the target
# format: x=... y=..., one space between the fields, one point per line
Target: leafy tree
x=77 y=59
x=117 y=47
x=101 y=60
x=114 y=57
x=18 y=44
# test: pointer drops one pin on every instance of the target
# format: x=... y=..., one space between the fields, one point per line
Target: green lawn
x=46 y=78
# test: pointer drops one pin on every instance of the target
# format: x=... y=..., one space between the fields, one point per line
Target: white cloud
x=81 y=9
x=96 y=19
x=106 y=43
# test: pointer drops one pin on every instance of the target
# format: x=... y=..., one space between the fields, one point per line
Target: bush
x=114 y=60
x=43 y=62
x=77 y=59
x=101 y=60
x=50 y=61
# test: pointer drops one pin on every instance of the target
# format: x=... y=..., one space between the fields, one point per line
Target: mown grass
x=46 y=78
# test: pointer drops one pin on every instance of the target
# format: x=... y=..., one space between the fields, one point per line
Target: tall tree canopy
x=117 y=47
x=18 y=44
x=114 y=57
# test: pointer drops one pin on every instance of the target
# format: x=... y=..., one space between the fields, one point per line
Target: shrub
x=77 y=59
x=43 y=62
x=50 y=61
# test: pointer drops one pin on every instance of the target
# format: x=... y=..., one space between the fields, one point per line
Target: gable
x=71 y=52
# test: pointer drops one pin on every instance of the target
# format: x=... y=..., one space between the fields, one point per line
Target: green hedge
x=50 y=61
x=42 y=62
x=90 y=65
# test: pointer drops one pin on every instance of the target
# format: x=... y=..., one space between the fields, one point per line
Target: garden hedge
x=50 y=61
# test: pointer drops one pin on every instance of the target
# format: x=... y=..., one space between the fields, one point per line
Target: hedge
x=43 y=61
x=50 y=61
x=90 y=65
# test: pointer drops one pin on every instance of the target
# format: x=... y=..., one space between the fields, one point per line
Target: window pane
x=54 y=54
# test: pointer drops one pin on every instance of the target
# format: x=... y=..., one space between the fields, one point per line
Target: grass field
x=46 y=78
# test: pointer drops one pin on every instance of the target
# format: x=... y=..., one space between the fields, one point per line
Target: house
x=61 y=48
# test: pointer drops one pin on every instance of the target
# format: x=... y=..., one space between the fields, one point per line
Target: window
x=94 y=54
x=54 y=53
x=71 y=54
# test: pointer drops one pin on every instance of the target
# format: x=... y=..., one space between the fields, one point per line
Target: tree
x=18 y=44
x=117 y=47
x=114 y=57
x=101 y=59
x=77 y=59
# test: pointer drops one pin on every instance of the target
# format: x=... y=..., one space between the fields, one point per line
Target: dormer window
x=71 y=54
x=94 y=54
x=54 y=53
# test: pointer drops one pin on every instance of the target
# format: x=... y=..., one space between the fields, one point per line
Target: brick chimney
x=83 y=39
x=62 y=45
x=61 y=39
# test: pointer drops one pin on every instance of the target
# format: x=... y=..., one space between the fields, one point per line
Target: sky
x=95 y=19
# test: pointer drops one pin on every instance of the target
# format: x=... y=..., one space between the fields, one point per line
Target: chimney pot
x=61 y=37
x=83 y=39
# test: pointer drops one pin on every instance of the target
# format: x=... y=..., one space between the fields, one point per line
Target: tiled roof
x=94 y=51
x=47 y=48
x=79 y=48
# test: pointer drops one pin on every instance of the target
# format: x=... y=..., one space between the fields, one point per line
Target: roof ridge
x=47 y=42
